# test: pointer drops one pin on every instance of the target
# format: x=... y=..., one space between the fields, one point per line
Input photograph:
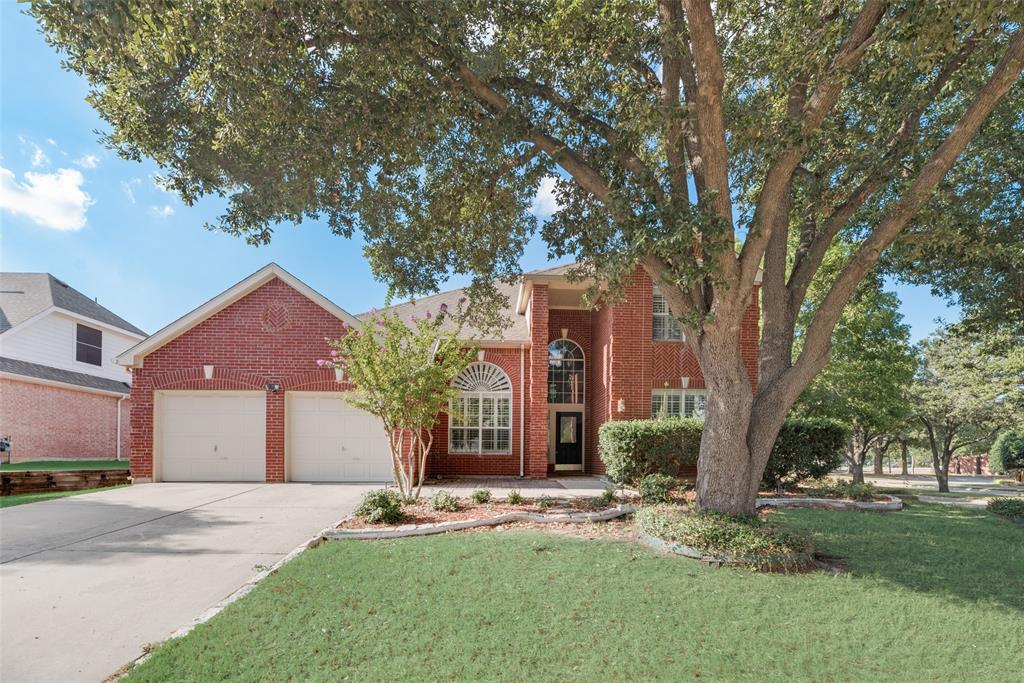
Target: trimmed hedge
x=1013 y=508
x=1007 y=452
x=806 y=448
x=632 y=449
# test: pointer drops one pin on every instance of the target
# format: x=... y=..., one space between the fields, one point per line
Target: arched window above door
x=566 y=372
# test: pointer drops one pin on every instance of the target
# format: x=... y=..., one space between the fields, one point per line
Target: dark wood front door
x=568 y=440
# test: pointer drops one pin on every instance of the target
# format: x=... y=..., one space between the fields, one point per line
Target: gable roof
x=47 y=374
x=134 y=356
x=26 y=295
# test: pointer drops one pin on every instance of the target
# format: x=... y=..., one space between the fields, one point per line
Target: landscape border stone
x=802 y=559
x=375 y=534
x=891 y=505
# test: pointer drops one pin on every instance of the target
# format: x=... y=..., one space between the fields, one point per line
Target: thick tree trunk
x=879 y=458
x=857 y=472
x=904 y=456
x=941 y=467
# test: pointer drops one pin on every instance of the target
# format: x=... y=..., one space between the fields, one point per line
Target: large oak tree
x=700 y=143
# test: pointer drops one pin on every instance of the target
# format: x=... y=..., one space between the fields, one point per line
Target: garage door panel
x=213 y=437
x=330 y=440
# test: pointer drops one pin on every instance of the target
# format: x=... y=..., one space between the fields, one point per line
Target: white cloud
x=39 y=157
x=53 y=200
x=545 y=203
x=51 y=141
x=127 y=186
x=165 y=211
x=88 y=161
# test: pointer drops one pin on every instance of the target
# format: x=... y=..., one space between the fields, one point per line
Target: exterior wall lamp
x=273 y=387
x=622 y=405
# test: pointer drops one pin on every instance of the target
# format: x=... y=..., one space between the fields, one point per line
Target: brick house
x=231 y=391
x=62 y=396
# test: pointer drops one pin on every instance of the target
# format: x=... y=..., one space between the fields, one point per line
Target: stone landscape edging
x=891 y=505
x=724 y=558
x=376 y=534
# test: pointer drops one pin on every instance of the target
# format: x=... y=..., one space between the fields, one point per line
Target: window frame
x=683 y=397
x=80 y=344
x=581 y=362
x=670 y=325
x=475 y=426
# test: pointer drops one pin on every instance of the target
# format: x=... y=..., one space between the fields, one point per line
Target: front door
x=568 y=441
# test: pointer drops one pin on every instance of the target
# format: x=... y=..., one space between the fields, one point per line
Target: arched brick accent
x=223 y=380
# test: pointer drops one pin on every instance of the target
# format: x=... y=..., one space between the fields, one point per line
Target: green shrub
x=1007 y=507
x=841 y=488
x=514 y=497
x=481 y=496
x=1007 y=452
x=544 y=502
x=656 y=488
x=442 y=501
x=631 y=449
x=760 y=543
x=806 y=448
x=380 y=506
x=608 y=497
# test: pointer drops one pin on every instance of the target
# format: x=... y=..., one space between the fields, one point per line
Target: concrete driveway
x=87 y=581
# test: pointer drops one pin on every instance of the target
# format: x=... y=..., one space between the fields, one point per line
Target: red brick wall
x=445 y=464
x=580 y=327
x=537 y=401
x=47 y=422
x=274 y=334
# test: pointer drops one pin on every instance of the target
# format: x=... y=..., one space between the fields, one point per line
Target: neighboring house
x=62 y=396
x=231 y=391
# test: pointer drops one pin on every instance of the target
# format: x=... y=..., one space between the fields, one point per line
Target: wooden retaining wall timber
x=39 y=481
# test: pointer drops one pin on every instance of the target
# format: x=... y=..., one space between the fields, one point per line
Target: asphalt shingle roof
x=23 y=295
x=26 y=369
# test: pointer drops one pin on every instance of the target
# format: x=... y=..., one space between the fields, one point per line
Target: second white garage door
x=212 y=435
x=329 y=440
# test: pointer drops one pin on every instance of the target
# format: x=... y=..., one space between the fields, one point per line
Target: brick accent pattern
x=47 y=422
x=274 y=334
x=537 y=400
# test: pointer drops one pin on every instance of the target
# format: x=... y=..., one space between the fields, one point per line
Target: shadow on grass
x=951 y=552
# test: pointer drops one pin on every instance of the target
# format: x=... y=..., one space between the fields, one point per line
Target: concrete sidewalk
x=87 y=581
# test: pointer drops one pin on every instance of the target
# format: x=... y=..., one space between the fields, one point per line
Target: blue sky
x=75 y=209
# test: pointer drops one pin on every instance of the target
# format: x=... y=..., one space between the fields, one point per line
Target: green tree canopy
x=695 y=142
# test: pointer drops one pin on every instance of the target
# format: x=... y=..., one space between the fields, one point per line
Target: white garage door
x=213 y=436
x=329 y=440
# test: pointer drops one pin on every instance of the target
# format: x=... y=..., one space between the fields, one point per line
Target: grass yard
x=54 y=465
x=931 y=593
x=25 y=498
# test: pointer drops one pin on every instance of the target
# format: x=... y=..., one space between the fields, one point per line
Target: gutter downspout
x=522 y=406
x=119 y=426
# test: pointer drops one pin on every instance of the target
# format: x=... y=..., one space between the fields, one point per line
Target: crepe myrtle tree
x=967 y=389
x=701 y=144
x=403 y=373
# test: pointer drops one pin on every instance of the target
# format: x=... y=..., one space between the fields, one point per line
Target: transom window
x=480 y=417
x=678 y=403
x=566 y=367
x=666 y=328
x=88 y=345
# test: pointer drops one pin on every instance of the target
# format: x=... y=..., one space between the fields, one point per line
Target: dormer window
x=89 y=345
x=666 y=328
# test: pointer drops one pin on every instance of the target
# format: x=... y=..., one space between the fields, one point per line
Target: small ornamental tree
x=403 y=374
x=1007 y=454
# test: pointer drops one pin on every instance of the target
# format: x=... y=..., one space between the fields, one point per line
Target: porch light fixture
x=685 y=382
x=273 y=387
x=622 y=405
x=207 y=372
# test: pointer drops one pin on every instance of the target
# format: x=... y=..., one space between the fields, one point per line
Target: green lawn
x=24 y=498
x=50 y=465
x=931 y=593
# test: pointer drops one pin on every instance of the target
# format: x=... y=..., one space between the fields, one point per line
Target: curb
x=890 y=505
x=444 y=527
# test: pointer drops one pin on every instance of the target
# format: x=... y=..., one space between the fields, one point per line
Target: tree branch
x=670 y=12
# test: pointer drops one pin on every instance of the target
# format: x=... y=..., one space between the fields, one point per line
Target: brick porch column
x=537 y=399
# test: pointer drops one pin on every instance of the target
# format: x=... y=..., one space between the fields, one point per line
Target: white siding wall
x=51 y=341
